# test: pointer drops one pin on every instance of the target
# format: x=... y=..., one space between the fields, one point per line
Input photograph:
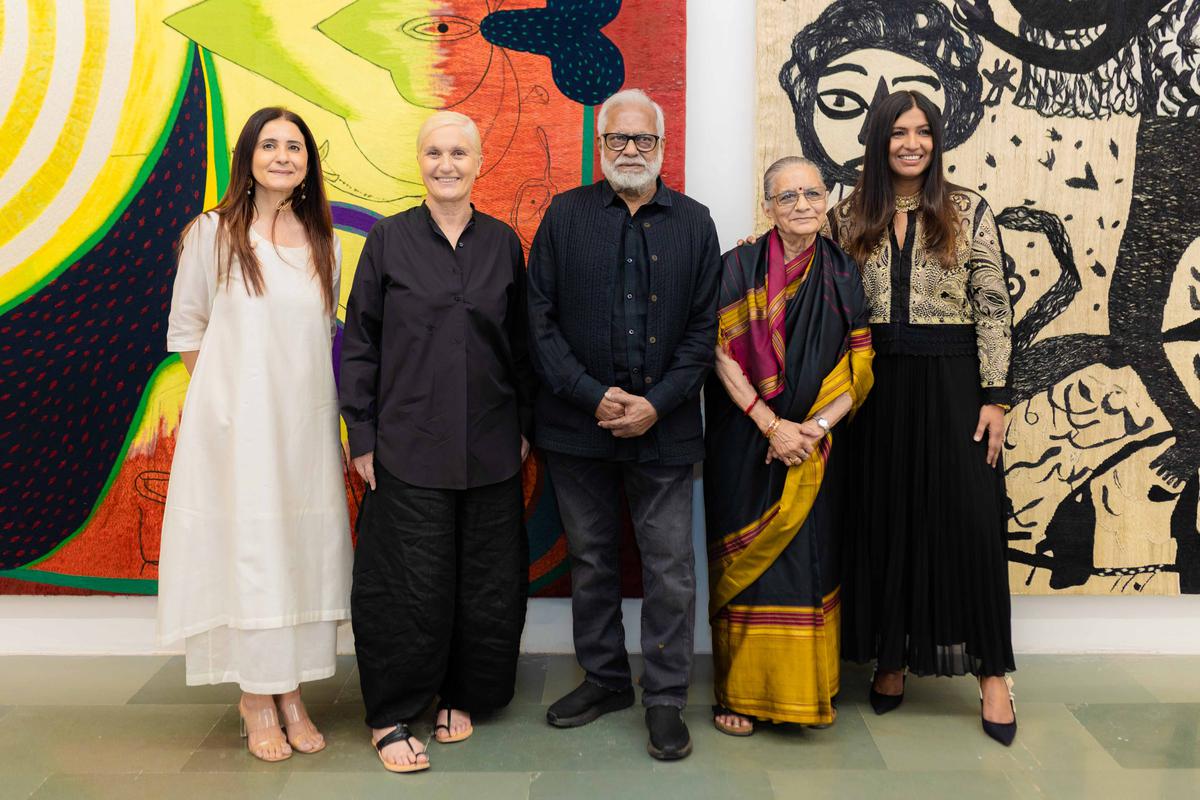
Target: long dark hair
x=308 y=203
x=873 y=203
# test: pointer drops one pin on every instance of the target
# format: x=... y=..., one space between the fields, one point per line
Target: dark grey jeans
x=660 y=502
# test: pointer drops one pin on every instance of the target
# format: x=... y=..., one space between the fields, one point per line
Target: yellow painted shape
x=158 y=57
x=371 y=160
x=211 y=197
x=163 y=408
x=34 y=196
x=352 y=246
x=35 y=81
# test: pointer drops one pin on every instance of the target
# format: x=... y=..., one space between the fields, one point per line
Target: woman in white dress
x=254 y=570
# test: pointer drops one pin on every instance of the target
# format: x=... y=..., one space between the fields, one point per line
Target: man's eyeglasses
x=644 y=142
x=789 y=197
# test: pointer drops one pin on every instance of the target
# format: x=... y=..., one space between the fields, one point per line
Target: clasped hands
x=794 y=442
x=625 y=415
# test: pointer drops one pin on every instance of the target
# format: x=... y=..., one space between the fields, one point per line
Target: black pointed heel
x=1002 y=732
x=883 y=703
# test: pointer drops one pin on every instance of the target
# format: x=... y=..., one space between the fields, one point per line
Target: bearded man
x=623 y=278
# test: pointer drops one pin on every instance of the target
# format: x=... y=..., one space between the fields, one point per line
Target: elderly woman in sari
x=793 y=360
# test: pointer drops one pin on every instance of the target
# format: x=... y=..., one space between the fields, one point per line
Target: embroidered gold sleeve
x=987 y=291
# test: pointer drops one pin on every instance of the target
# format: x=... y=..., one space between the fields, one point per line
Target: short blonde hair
x=441 y=119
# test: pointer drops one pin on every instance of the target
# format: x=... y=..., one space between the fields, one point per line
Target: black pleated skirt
x=925 y=577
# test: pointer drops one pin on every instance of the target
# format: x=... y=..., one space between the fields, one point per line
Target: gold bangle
x=770 y=431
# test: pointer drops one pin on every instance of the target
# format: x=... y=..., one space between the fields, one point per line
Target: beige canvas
x=1081 y=131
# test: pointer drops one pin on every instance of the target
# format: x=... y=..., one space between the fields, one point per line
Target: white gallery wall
x=720 y=141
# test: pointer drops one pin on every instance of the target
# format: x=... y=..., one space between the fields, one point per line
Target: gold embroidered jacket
x=919 y=307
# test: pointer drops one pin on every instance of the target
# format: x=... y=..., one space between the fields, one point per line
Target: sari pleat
x=799 y=331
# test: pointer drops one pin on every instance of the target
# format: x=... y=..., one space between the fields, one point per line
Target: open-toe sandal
x=299 y=727
x=401 y=734
x=447 y=737
x=729 y=730
x=260 y=728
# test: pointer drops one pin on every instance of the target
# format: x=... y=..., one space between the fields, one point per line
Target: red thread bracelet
x=750 y=407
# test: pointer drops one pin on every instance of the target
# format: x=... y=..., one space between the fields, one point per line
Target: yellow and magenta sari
x=799 y=331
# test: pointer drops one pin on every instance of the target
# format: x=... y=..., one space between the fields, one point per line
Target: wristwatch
x=824 y=423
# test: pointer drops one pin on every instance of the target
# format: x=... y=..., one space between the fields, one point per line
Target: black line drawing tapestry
x=1079 y=122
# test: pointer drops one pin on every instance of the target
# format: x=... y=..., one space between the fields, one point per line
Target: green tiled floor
x=1091 y=727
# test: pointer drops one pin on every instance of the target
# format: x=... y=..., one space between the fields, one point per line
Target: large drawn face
x=403 y=37
x=847 y=87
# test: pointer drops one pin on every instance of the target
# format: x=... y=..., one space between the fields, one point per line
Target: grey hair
x=630 y=97
x=782 y=164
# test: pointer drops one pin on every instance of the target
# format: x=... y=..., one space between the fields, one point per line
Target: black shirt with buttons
x=630 y=305
x=596 y=273
x=435 y=375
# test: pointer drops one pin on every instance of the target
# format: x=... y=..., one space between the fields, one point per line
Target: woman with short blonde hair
x=436 y=392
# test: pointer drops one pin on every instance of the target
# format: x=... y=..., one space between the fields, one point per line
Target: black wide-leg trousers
x=439 y=595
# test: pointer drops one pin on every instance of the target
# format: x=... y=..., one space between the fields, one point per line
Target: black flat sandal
x=449 y=738
x=401 y=733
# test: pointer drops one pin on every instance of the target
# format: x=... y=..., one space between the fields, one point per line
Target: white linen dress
x=254 y=570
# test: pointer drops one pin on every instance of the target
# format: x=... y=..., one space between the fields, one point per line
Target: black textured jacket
x=573 y=266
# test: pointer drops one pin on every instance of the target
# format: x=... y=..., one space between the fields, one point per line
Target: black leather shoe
x=883 y=703
x=669 y=737
x=585 y=703
x=1002 y=732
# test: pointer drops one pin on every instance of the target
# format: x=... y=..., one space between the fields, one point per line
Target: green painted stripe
x=139 y=181
x=118 y=463
x=220 y=155
x=115 y=585
x=585 y=166
x=550 y=577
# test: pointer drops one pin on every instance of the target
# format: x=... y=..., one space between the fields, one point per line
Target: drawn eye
x=841 y=104
x=441 y=27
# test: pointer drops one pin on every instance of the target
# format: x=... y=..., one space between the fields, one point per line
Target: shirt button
x=631 y=331
x=649 y=379
x=653 y=298
x=653 y=339
x=460 y=244
x=654 y=258
x=635 y=370
x=645 y=224
x=629 y=261
x=629 y=296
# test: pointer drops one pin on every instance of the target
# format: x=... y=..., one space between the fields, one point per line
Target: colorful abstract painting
x=1079 y=122
x=116 y=121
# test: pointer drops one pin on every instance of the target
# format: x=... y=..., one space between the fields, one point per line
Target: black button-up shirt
x=575 y=272
x=630 y=305
x=435 y=374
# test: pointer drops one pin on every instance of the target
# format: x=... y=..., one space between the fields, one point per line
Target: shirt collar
x=434 y=226
x=662 y=195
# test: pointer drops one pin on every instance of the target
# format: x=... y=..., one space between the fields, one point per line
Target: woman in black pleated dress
x=925 y=585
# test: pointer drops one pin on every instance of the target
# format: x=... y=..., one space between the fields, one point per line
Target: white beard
x=637 y=182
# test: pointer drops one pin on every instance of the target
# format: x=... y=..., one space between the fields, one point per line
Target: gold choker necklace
x=910 y=203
